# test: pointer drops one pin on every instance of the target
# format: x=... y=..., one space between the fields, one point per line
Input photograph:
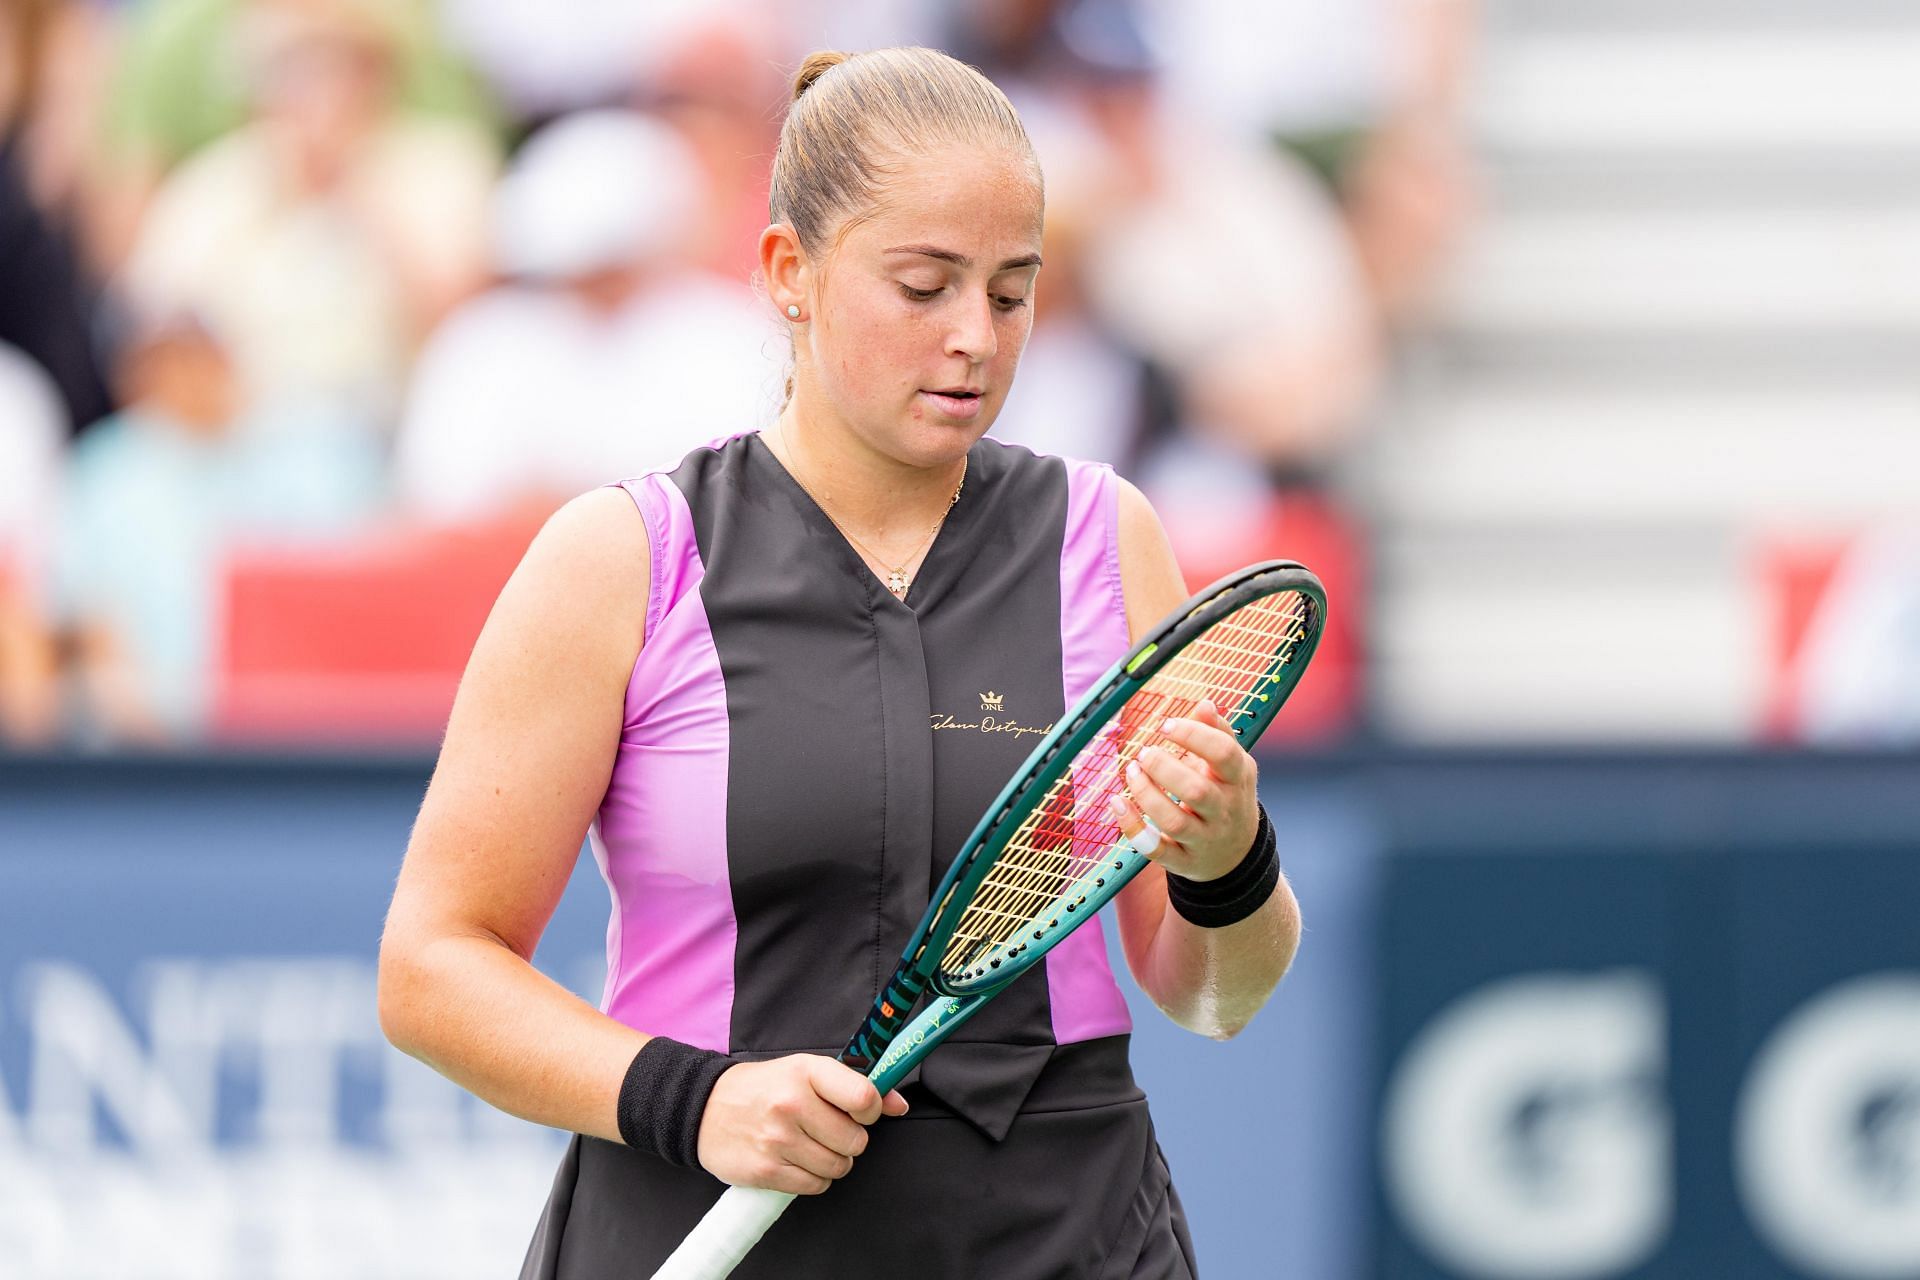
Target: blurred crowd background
x=311 y=309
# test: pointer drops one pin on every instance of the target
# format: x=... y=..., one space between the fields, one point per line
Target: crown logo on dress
x=990 y=701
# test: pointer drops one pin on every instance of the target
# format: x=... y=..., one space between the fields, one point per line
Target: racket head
x=1046 y=855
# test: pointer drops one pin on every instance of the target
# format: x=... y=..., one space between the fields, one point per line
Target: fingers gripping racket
x=1047 y=855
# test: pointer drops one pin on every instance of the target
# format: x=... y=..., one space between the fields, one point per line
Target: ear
x=783 y=265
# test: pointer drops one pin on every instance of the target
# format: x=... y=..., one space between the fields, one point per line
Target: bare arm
x=1211 y=981
x=528 y=753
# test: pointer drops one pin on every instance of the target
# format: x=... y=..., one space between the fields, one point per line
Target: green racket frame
x=879 y=1047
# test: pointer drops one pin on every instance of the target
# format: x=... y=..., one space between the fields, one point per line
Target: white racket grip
x=731 y=1228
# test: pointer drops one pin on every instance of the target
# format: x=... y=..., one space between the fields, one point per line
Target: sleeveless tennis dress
x=802 y=755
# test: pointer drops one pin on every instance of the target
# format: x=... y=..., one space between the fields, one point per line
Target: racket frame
x=919 y=967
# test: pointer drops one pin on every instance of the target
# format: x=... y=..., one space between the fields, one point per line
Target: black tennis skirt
x=1073 y=1192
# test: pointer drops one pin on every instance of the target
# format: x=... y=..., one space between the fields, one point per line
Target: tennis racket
x=1047 y=855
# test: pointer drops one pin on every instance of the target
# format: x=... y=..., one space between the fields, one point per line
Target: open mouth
x=955 y=404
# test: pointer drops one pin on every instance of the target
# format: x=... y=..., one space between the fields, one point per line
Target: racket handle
x=731 y=1228
x=741 y=1216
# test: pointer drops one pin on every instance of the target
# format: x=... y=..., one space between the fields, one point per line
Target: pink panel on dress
x=1086 y=1000
x=660 y=837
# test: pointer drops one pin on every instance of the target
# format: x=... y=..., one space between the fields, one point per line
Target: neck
x=875 y=493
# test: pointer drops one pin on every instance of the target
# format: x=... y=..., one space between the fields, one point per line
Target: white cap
x=595 y=190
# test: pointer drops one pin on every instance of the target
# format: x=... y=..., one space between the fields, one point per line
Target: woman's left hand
x=1210 y=827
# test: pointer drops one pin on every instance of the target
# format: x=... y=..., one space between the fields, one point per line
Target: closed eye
x=1003 y=302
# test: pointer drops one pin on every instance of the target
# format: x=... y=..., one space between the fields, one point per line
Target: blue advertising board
x=193 y=1082
x=1662 y=1023
x=1609 y=1017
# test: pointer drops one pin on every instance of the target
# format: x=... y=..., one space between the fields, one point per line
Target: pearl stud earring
x=793 y=311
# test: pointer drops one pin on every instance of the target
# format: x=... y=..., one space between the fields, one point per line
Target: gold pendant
x=897 y=583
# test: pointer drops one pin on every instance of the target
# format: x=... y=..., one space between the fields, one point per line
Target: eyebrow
x=961 y=260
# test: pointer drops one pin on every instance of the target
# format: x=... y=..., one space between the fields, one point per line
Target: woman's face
x=931 y=294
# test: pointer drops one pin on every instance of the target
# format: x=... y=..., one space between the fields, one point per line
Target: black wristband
x=1214 y=904
x=664 y=1098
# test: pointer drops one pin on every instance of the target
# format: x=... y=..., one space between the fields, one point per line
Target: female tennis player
x=775 y=688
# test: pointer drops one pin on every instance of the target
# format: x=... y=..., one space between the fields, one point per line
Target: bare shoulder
x=532 y=738
x=1150 y=576
x=590 y=557
x=565 y=630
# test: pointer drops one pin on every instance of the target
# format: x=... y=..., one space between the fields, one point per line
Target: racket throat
x=890 y=1011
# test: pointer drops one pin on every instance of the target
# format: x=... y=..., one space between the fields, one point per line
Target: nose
x=972 y=335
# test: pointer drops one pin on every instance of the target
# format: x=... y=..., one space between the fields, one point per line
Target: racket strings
x=1056 y=849
x=1060 y=845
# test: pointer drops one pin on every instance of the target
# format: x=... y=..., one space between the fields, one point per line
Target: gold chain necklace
x=898 y=579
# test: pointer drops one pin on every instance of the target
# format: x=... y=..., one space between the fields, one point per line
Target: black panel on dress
x=989 y=607
x=829 y=772
x=868 y=736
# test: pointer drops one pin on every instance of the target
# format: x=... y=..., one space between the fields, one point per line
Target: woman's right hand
x=793 y=1124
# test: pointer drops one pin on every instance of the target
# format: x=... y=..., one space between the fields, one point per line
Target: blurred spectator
x=1229 y=268
x=47 y=299
x=1216 y=258
x=182 y=82
x=1081 y=392
x=156 y=497
x=714 y=69
x=542 y=68
x=717 y=76
x=1859 y=668
x=326 y=236
x=32 y=426
x=605 y=355
x=1365 y=92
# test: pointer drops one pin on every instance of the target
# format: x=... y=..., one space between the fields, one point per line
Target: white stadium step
x=1581 y=647
x=1718 y=91
x=1746 y=270
x=1480 y=455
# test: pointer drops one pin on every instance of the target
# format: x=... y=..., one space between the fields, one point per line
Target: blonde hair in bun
x=816 y=65
x=854 y=117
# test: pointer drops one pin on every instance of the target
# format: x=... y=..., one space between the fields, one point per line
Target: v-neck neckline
x=825 y=522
